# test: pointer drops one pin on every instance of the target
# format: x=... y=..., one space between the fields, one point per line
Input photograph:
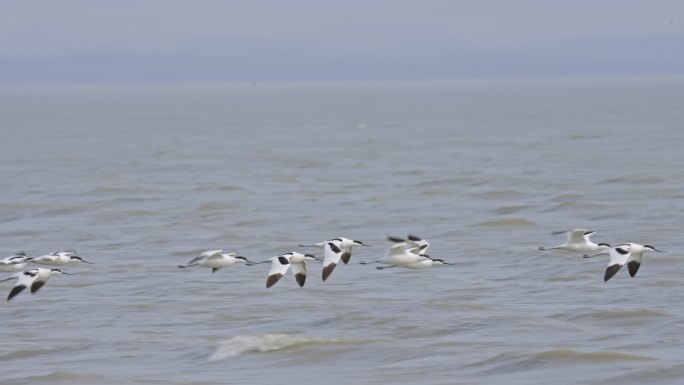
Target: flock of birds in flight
x=407 y=253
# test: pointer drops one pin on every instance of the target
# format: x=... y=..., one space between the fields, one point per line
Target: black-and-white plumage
x=58 y=258
x=424 y=264
x=404 y=252
x=216 y=259
x=13 y=263
x=579 y=240
x=335 y=250
x=626 y=253
x=421 y=243
x=281 y=263
x=31 y=278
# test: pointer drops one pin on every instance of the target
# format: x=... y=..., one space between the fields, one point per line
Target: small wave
x=230 y=188
x=566 y=198
x=509 y=362
x=508 y=222
x=22 y=233
x=602 y=356
x=239 y=345
x=575 y=205
x=628 y=314
x=504 y=210
x=26 y=353
x=213 y=206
x=619 y=316
x=67 y=377
x=501 y=193
x=632 y=179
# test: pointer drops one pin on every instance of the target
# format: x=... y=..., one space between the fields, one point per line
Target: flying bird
x=13 y=263
x=33 y=278
x=335 y=250
x=626 y=253
x=216 y=259
x=579 y=240
x=403 y=252
x=281 y=263
x=424 y=264
x=58 y=258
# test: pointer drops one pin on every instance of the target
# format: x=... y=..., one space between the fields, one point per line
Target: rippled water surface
x=140 y=179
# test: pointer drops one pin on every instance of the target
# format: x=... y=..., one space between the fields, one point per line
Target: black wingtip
x=272 y=279
x=633 y=267
x=301 y=278
x=15 y=290
x=327 y=270
x=36 y=286
x=610 y=272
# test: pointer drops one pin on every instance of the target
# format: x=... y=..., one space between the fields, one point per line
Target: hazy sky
x=293 y=40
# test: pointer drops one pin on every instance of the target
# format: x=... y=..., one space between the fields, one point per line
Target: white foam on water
x=238 y=345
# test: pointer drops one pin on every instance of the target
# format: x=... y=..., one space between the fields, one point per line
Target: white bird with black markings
x=33 y=278
x=58 y=258
x=13 y=263
x=404 y=252
x=421 y=243
x=335 y=250
x=424 y=264
x=579 y=240
x=281 y=263
x=626 y=253
x=216 y=259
